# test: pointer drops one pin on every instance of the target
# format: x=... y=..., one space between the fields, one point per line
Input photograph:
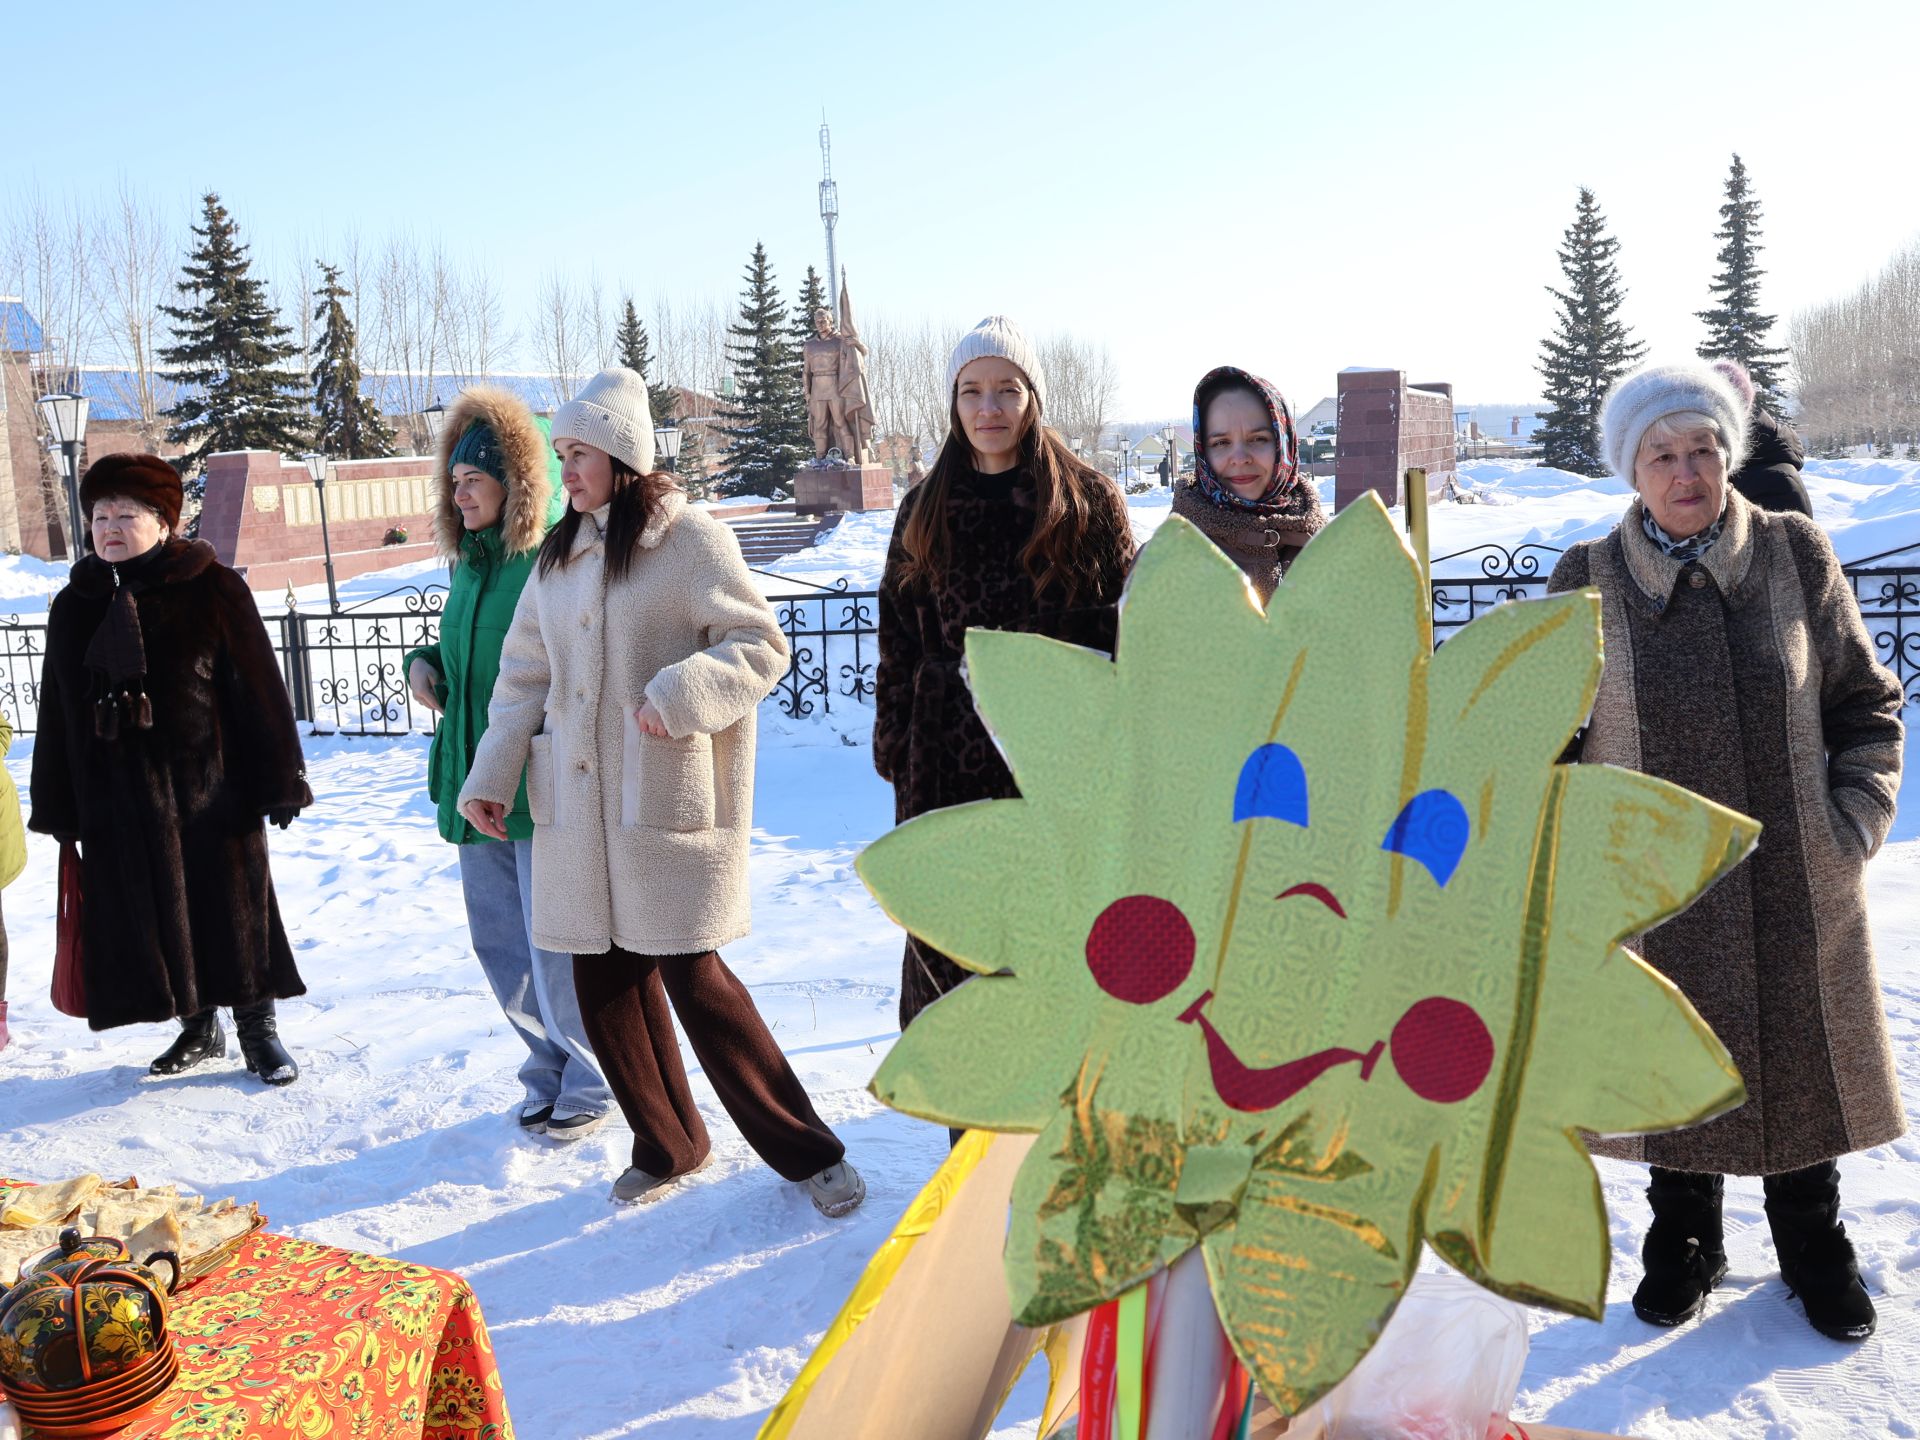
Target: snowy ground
x=688 y=1318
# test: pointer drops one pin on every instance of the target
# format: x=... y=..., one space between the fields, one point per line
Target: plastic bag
x=1447 y=1367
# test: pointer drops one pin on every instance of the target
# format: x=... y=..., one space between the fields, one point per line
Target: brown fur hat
x=146 y=478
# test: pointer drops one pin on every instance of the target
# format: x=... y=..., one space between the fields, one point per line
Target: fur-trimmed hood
x=534 y=496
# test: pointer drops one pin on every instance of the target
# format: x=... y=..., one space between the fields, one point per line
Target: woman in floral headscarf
x=1247 y=494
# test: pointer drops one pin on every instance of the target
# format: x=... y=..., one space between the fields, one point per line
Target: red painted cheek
x=1442 y=1050
x=1140 y=949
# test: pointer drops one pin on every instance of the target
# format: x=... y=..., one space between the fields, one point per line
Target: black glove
x=282 y=815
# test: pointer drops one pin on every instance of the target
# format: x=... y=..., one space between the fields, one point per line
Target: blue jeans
x=534 y=987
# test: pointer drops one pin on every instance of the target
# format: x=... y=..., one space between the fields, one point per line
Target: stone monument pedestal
x=824 y=489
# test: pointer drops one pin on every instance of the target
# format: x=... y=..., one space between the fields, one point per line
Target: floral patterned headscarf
x=1286 y=473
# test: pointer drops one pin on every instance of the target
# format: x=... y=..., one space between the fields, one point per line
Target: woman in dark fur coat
x=166 y=737
x=1009 y=532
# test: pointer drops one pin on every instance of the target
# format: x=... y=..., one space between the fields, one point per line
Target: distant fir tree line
x=1592 y=347
x=233 y=357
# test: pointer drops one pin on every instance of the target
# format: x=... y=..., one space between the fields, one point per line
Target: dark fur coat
x=179 y=912
x=927 y=738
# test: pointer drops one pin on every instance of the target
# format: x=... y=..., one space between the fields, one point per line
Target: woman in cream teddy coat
x=627 y=690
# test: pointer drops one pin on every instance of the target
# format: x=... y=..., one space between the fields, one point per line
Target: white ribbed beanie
x=1659 y=391
x=610 y=413
x=997 y=335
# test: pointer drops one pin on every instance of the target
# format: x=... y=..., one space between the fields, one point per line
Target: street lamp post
x=1126 y=460
x=317 y=470
x=436 y=417
x=66 y=419
x=1173 y=456
x=666 y=446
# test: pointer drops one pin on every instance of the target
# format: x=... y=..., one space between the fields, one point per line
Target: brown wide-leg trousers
x=624 y=1002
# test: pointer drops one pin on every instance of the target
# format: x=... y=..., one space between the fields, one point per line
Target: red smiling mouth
x=1244 y=1088
x=1315 y=891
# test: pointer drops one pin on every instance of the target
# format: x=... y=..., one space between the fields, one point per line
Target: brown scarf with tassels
x=118 y=650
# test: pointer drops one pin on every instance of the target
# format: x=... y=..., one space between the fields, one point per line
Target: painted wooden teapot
x=83 y=1313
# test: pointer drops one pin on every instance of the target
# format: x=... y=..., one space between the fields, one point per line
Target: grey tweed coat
x=1748 y=677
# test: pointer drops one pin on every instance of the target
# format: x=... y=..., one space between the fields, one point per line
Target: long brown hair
x=1071 y=500
x=634 y=497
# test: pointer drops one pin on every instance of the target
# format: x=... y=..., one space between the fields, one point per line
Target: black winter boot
x=260 y=1042
x=200 y=1038
x=1816 y=1258
x=1685 y=1251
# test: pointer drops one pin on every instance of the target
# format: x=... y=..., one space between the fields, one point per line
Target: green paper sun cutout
x=1300 y=947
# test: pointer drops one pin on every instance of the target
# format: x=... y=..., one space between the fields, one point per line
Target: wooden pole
x=1416 y=486
x=1416 y=490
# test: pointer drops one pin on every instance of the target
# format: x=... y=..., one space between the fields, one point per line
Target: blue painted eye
x=1273 y=783
x=1433 y=829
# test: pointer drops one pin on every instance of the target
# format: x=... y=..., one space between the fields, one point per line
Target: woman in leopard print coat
x=1008 y=532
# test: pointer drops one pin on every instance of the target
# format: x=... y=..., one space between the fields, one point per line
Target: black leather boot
x=259 y=1036
x=1685 y=1252
x=200 y=1038
x=1816 y=1258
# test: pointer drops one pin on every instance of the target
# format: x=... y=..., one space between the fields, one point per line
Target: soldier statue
x=839 y=413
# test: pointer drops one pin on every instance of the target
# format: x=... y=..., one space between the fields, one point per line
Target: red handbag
x=69 y=985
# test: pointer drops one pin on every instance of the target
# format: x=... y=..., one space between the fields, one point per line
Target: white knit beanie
x=610 y=413
x=1650 y=395
x=997 y=335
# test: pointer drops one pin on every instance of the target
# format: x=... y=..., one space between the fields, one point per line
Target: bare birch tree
x=134 y=255
x=478 y=339
x=557 y=337
x=1856 y=363
x=1082 y=381
x=46 y=258
x=411 y=298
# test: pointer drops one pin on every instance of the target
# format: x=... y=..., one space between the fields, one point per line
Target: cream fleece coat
x=638 y=841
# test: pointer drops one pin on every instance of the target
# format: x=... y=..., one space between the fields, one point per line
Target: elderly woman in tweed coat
x=1738 y=666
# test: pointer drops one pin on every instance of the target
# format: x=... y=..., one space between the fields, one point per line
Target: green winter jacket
x=489 y=570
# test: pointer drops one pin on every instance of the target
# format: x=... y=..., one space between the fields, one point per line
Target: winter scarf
x=118 y=650
x=1286 y=474
x=1691 y=548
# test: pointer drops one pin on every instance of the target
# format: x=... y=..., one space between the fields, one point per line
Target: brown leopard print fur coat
x=928 y=741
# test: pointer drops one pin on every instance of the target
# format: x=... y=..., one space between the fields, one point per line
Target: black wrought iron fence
x=346 y=670
x=1889 y=601
x=346 y=675
x=1468 y=583
x=834 y=637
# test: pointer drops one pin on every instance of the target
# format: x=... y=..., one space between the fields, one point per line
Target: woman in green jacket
x=497 y=495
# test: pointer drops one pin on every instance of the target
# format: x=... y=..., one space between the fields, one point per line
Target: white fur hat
x=997 y=335
x=610 y=413
x=1658 y=391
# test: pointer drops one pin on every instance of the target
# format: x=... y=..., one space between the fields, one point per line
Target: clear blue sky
x=1290 y=187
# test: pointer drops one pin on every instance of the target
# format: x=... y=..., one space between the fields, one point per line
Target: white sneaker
x=573 y=1127
x=636 y=1186
x=837 y=1190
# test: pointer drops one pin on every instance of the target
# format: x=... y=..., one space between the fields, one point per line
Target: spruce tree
x=813 y=296
x=691 y=467
x=766 y=421
x=635 y=351
x=229 y=355
x=1590 y=348
x=347 y=424
x=1736 y=330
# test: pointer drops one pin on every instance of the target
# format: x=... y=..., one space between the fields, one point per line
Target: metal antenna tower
x=829 y=212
